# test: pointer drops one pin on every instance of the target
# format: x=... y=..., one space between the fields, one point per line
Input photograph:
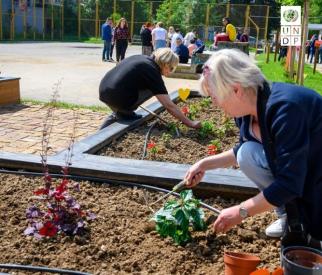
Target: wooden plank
x=224 y=182
x=9 y=90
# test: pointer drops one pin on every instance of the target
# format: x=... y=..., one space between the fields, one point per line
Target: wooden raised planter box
x=9 y=90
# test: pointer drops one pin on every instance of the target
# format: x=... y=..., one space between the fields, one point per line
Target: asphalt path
x=78 y=66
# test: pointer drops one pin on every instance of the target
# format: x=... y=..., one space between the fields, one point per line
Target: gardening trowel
x=160 y=118
x=176 y=188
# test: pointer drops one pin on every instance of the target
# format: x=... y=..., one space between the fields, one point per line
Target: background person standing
x=146 y=39
x=107 y=38
x=159 y=36
x=121 y=38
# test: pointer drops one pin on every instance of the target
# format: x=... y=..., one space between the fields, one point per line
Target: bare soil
x=188 y=148
x=120 y=240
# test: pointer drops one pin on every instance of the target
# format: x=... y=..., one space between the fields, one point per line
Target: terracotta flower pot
x=240 y=263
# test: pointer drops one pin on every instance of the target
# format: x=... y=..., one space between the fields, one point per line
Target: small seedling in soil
x=214 y=147
x=205 y=102
x=178 y=217
x=152 y=148
x=166 y=139
x=207 y=129
x=172 y=128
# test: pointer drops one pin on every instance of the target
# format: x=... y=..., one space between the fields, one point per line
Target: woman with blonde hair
x=137 y=79
x=121 y=38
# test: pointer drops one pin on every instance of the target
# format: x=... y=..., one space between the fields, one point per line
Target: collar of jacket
x=263 y=95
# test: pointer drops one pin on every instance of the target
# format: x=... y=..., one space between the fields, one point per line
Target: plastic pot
x=300 y=260
x=237 y=263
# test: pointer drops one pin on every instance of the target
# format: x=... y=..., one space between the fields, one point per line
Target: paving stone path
x=21 y=127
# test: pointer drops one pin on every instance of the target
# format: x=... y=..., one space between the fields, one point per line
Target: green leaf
x=186 y=195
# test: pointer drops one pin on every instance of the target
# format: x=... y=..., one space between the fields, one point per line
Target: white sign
x=291 y=26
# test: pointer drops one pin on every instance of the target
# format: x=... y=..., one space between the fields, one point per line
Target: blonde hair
x=164 y=56
x=227 y=67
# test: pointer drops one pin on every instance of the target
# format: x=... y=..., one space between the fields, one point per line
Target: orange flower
x=212 y=149
x=185 y=110
x=151 y=145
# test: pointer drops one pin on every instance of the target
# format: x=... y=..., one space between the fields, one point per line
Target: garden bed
x=119 y=240
x=219 y=133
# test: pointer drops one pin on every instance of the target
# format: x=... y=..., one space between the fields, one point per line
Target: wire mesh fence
x=80 y=19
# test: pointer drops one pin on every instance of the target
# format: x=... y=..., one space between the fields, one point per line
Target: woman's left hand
x=228 y=218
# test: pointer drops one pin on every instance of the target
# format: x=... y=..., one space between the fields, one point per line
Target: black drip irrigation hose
x=41 y=269
x=147 y=136
x=106 y=181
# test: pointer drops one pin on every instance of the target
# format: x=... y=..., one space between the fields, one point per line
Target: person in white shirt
x=174 y=39
x=159 y=37
x=189 y=36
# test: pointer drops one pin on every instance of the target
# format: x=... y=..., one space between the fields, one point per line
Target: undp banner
x=291 y=26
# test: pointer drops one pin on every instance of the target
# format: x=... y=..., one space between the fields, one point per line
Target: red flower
x=62 y=187
x=41 y=191
x=212 y=149
x=151 y=145
x=185 y=110
x=48 y=229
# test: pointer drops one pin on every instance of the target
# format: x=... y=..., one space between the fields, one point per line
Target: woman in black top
x=135 y=80
x=146 y=38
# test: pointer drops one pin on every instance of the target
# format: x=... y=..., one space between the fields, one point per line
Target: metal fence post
x=228 y=9
x=52 y=19
x=62 y=19
x=43 y=20
x=79 y=20
x=247 y=16
x=12 y=25
x=151 y=11
x=207 y=21
x=96 y=19
x=34 y=17
x=266 y=22
x=1 y=34
x=25 y=20
x=132 y=17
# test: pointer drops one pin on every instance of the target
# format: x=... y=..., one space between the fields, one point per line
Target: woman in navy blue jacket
x=280 y=146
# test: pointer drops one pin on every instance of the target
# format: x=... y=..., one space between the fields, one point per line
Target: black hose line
x=108 y=181
x=42 y=269
x=147 y=136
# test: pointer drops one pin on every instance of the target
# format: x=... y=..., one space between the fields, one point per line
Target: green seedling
x=178 y=217
x=205 y=102
x=207 y=128
x=166 y=139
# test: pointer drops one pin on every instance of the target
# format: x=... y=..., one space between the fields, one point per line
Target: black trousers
x=117 y=105
x=121 y=46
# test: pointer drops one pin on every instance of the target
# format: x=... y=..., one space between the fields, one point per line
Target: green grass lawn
x=65 y=105
x=274 y=71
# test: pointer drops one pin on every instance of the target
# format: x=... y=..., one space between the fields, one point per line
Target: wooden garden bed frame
x=225 y=182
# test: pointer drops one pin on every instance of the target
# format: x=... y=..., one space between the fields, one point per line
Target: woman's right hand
x=195 y=174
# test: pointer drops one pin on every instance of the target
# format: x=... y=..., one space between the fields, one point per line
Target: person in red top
x=121 y=38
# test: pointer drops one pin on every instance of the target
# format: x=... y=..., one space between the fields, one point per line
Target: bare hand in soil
x=228 y=218
x=195 y=124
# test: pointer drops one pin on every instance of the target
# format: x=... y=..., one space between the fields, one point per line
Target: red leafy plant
x=214 y=147
x=152 y=148
x=54 y=211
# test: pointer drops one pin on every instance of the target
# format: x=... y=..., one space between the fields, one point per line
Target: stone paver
x=21 y=127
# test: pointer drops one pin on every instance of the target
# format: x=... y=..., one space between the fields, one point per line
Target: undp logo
x=290 y=15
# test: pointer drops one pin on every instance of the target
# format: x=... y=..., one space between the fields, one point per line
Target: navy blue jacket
x=183 y=53
x=290 y=120
x=106 y=32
